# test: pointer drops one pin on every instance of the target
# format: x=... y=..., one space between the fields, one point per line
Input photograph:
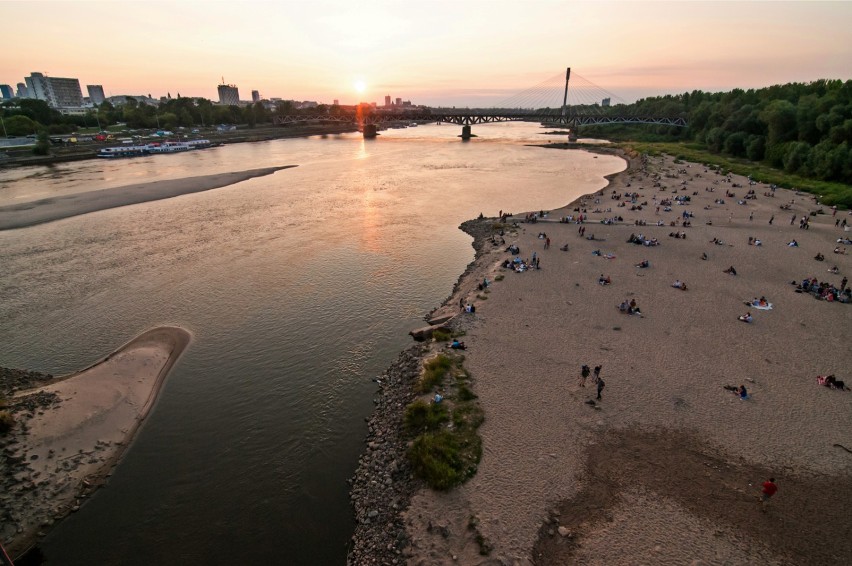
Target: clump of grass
x=482 y=297
x=436 y=369
x=499 y=277
x=421 y=416
x=441 y=335
x=445 y=458
x=7 y=421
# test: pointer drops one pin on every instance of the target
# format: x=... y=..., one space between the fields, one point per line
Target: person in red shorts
x=769 y=489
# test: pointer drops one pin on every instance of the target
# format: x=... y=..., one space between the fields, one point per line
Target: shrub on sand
x=436 y=369
x=421 y=416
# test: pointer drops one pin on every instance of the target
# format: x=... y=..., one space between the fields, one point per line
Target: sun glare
x=360 y=86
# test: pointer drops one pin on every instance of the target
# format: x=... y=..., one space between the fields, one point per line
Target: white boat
x=153 y=148
x=123 y=151
x=168 y=147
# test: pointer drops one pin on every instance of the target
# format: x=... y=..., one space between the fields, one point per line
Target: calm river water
x=299 y=288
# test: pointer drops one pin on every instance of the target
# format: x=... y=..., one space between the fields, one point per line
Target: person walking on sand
x=600 y=383
x=769 y=489
x=597 y=372
x=584 y=373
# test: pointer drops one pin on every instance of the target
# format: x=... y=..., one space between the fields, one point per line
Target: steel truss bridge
x=565 y=116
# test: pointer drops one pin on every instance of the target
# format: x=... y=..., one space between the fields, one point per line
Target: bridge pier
x=466 y=135
x=370 y=131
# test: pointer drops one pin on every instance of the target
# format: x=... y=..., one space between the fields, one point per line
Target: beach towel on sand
x=758 y=306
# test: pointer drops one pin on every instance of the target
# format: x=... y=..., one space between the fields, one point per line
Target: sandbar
x=56 y=208
x=64 y=450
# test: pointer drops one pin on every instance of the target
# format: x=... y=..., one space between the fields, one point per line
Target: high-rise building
x=399 y=102
x=229 y=95
x=57 y=92
x=255 y=96
x=605 y=102
x=387 y=100
x=96 y=94
x=23 y=91
x=336 y=102
x=6 y=92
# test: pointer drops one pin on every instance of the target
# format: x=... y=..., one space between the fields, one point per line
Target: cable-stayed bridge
x=567 y=101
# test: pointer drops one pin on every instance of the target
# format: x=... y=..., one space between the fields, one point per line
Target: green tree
x=20 y=125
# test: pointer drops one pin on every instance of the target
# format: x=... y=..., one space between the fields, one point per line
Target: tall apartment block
x=229 y=95
x=57 y=92
x=96 y=94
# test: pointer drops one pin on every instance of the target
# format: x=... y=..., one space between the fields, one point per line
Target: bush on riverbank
x=436 y=369
x=424 y=417
x=447 y=450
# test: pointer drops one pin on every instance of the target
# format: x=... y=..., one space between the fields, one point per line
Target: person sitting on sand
x=624 y=306
x=742 y=392
x=746 y=317
x=730 y=271
x=678 y=284
x=564 y=248
x=456 y=345
x=704 y=256
x=834 y=270
x=604 y=280
x=837 y=250
x=819 y=257
x=643 y=264
x=793 y=244
x=633 y=308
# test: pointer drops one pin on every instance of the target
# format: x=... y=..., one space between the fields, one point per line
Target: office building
x=96 y=94
x=6 y=92
x=387 y=100
x=229 y=95
x=605 y=102
x=23 y=91
x=255 y=96
x=399 y=102
x=57 y=92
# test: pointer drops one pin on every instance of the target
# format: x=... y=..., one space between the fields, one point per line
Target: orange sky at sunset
x=431 y=52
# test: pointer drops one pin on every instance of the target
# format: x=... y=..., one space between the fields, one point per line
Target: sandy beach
x=50 y=209
x=71 y=432
x=667 y=467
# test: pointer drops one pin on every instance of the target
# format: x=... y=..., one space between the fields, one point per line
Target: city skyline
x=434 y=53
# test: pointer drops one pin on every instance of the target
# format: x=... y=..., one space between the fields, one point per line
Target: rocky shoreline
x=383 y=484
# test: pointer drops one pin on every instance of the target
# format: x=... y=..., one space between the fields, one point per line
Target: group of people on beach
x=824 y=290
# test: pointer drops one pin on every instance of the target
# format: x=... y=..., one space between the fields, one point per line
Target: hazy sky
x=430 y=51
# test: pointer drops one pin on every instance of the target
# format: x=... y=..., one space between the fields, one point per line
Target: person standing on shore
x=600 y=383
x=769 y=489
x=771 y=218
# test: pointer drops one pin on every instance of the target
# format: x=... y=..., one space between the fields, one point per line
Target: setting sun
x=360 y=86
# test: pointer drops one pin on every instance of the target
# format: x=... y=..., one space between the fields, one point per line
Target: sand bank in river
x=55 y=208
x=667 y=467
x=71 y=432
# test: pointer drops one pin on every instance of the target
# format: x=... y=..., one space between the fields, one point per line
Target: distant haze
x=462 y=53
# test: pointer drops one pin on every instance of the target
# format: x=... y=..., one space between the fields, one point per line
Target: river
x=299 y=288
